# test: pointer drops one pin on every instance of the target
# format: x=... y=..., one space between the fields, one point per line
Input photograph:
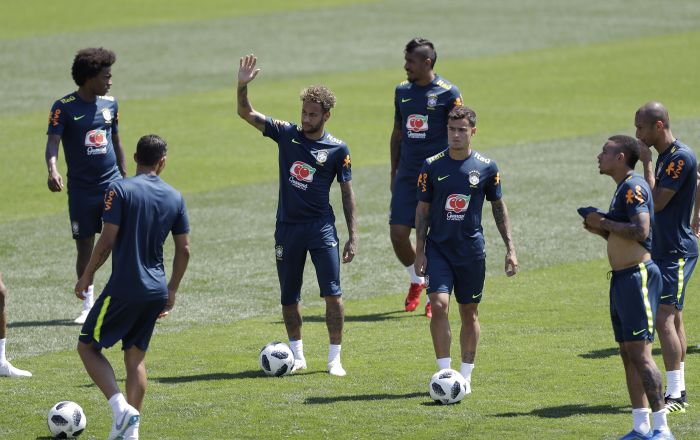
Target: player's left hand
x=511 y=263
x=644 y=151
x=168 y=305
x=349 y=251
x=695 y=225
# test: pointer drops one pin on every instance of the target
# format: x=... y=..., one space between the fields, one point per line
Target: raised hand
x=247 y=71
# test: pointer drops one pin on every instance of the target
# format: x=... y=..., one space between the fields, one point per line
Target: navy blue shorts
x=85 y=212
x=292 y=241
x=675 y=275
x=113 y=319
x=443 y=276
x=634 y=298
x=402 y=210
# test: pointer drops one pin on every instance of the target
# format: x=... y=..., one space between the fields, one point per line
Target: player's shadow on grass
x=558 y=412
x=52 y=323
x=614 y=351
x=372 y=317
x=248 y=374
x=360 y=398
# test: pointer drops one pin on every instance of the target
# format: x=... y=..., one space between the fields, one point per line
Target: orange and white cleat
x=413 y=297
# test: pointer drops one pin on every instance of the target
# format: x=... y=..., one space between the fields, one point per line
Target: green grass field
x=549 y=80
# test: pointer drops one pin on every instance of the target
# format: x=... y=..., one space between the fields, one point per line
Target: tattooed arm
x=422 y=224
x=636 y=230
x=349 y=211
x=500 y=216
x=247 y=73
x=99 y=255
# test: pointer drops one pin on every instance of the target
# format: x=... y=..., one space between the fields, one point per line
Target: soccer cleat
x=634 y=435
x=299 y=364
x=429 y=310
x=684 y=398
x=8 y=370
x=336 y=369
x=413 y=297
x=662 y=435
x=82 y=317
x=126 y=425
x=674 y=404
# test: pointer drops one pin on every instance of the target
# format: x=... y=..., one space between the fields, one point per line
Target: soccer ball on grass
x=66 y=420
x=447 y=386
x=276 y=359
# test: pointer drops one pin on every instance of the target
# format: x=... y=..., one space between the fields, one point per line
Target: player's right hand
x=55 y=182
x=247 y=71
x=644 y=151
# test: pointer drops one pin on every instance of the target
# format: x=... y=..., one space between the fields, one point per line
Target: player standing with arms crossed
x=309 y=159
x=452 y=186
x=87 y=123
x=421 y=104
x=675 y=251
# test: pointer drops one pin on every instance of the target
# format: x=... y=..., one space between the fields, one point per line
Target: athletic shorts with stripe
x=675 y=275
x=634 y=298
x=113 y=319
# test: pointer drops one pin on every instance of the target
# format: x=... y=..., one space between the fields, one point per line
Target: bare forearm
x=245 y=109
x=51 y=155
x=180 y=262
x=121 y=158
x=99 y=255
x=395 y=150
x=629 y=231
x=649 y=173
x=422 y=225
x=349 y=210
x=500 y=216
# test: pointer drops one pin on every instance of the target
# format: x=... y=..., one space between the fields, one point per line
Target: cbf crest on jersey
x=107 y=115
x=321 y=156
x=474 y=177
x=432 y=100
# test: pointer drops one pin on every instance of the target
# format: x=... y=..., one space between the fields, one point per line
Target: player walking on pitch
x=87 y=123
x=6 y=368
x=635 y=284
x=674 y=249
x=452 y=186
x=421 y=104
x=309 y=159
x=139 y=213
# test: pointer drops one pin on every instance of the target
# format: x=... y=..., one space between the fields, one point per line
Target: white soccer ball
x=276 y=359
x=447 y=386
x=66 y=420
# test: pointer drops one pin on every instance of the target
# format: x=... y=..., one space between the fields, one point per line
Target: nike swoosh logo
x=121 y=423
x=294 y=141
x=476 y=296
x=406 y=100
x=83 y=334
x=77 y=118
x=637 y=332
x=440 y=179
x=334 y=244
x=666 y=296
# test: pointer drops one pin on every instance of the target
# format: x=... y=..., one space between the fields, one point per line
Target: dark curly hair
x=463 y=112
x=89 y=62
x=320 y=95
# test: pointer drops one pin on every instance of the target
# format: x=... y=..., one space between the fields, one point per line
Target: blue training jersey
x=306 y=171
x=632 y=196
x=86 y=130
x=676 y=169
x=456 y=190
x=146 y=209
x=422 y=113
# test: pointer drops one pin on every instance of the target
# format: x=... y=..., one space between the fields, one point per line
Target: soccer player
x=6 y=368
x=421 y=104
x=86 y=122
x=452 y=186
x=673 y=183
x=636 y=281
x=139 y=213
x=309 y=159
